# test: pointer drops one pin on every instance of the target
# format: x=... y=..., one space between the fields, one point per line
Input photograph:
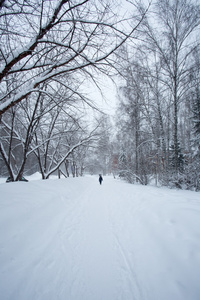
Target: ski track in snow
x=83 y=241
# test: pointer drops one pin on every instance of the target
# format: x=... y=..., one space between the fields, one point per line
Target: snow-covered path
x=74 y=239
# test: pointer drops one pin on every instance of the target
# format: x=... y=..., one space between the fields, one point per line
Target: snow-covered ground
x=72 y=239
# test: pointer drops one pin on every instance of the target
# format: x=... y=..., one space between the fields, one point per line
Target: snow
x=74 y=239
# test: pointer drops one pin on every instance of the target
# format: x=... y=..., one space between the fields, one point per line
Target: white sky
x=107 y=99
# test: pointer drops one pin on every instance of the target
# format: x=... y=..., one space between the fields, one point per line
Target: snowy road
x=73 y=239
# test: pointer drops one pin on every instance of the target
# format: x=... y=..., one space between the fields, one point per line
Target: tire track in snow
x=70 y=236
x=95 y=271
x=135 y=288
x=117 y=218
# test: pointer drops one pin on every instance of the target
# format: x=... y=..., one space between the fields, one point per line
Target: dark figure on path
x=100 y=178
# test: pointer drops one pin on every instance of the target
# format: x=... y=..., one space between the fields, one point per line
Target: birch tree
x=175 y=41
x=162 y=69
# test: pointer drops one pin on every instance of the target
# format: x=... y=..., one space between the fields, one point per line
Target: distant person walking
x=100 y=179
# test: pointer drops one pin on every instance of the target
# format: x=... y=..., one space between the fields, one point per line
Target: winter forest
x=49 y=123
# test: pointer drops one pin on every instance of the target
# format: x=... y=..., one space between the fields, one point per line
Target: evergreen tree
x=180 y=159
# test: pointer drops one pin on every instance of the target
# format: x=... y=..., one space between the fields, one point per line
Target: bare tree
x=159 y=81
x=40 y=42
x=51 y=158
x=32 y=125
x=175 y=42
x=18 y=127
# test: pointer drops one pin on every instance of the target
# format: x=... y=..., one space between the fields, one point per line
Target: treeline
x=158 y=118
